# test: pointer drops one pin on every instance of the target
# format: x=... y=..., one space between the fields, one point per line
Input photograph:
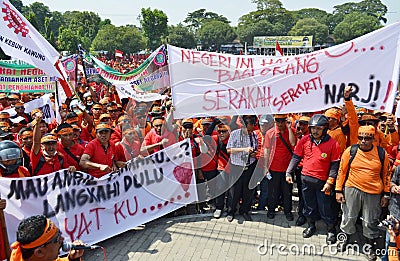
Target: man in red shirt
x=72 y=151
x=45 y=158
x=279 y=143
x=321 y=157
x=99 y=157
x=153 y=141
x=130 y=144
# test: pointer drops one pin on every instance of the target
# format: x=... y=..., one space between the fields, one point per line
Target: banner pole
x=4 y=228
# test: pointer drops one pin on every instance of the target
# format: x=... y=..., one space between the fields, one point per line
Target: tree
x=310 y=26
x=68 y=40
x=17 y=4
x=154 y=24
x=123 y=38
x=86 y=23
x=195 y=19
x=246 y=32
x=318 y=14
x=41 y=11
x=271 y=11
x=181 y=36
x=354 y=25
x=214 y=33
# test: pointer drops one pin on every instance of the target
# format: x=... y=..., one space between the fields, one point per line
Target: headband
x=48 y=138
x=65 y=131
x=48 y=234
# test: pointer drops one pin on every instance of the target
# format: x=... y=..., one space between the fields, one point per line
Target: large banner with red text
x=225 y=84
x=93 y=209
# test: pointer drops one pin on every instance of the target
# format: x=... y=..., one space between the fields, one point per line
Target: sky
x=124 y=12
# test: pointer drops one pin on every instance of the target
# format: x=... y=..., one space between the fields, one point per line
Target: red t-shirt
x=128 y=151
x=100 y=155
x=209 y=160
x=317 y=159
x=49 y=166
x=77 y=150
x=280 y=155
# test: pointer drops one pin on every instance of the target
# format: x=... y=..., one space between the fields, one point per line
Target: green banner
x=17 y=76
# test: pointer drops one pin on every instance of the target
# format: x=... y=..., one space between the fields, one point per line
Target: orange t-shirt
x=365 y=172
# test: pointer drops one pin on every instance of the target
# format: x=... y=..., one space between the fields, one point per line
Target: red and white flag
x=20 y=40
x=278 y=49
x=119 y=53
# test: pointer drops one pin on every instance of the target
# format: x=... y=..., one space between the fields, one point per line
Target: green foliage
x=214 y=33
x=310 y=26
x=246 y=32
x=195 y=19
x=354 y=25
x=17 y=4
x=181 y=36
x=41 y=11
x=154 y=25
x=123 y=38
x=320 y=15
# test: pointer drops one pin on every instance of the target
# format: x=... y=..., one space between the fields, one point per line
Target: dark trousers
x=316 y=201
x=299 y=191
x=278 y=186
x=211 y=181
x=262 y=201
x=240 y=177
x=222 y=187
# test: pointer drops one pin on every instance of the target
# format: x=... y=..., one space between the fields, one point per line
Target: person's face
x=113 y=111
x=51 y=249
x=280 y=124
x=20 y=109
x=130 y=136
x=124 y=121
x=223 y=133
x=3 y=120
x=13 y=101
x=157 y=125
x=365 y=142
x=141 y=119
x=97 y=112
x=67 y=138
x=89 y=100
x=303 y=125
x=187 y=132
x=103 y=136
x=106 y=120
x=250 y=127
x=333 y=123
x=317 y=132
x=50 y=148
x=43 y=128
x=27 y=141
x=76 y=134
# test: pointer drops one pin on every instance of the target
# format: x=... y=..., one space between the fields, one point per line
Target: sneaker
x=229 y=218
x=217 y=213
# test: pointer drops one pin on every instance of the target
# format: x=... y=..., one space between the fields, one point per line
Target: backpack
x=353 y=152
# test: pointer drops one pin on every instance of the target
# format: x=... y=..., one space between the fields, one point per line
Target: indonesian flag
x=19 y=39
x=118 y=53
x=278 y=49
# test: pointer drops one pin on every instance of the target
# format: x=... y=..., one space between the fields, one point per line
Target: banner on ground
x=151 y=75
x=22 y=77
x=93 y=210
x=19 y=39
x=224 y=84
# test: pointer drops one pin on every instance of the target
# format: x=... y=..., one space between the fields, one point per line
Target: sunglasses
x=366 y=123
x=112 y=111
x=97 y=109
x=222 y=131
x=158 y=125
x=366 y=138
x=19 y=108
x=280 y=120
x=27 y=138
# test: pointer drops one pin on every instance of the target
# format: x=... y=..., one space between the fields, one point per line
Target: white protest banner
x=224 y=84
x=127 y=91
x=93 y=210
x=43 y=103
x=19 y=39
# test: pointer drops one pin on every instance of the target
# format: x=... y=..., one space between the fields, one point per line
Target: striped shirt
x=239 y=139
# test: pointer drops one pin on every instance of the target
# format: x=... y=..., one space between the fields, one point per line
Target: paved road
x=201 y=237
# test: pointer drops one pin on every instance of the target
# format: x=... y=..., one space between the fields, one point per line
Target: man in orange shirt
x=359 y=186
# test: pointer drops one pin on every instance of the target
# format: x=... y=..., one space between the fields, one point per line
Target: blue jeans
x=262 y=201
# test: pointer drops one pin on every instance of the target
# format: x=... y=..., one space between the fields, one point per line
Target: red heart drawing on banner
x=183 y=173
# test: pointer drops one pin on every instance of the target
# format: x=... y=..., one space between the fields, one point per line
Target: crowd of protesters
x=341 y=159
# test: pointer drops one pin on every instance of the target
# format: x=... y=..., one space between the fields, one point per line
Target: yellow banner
x=284 y=41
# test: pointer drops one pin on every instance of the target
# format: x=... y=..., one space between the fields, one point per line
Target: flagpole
x=82 y=61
